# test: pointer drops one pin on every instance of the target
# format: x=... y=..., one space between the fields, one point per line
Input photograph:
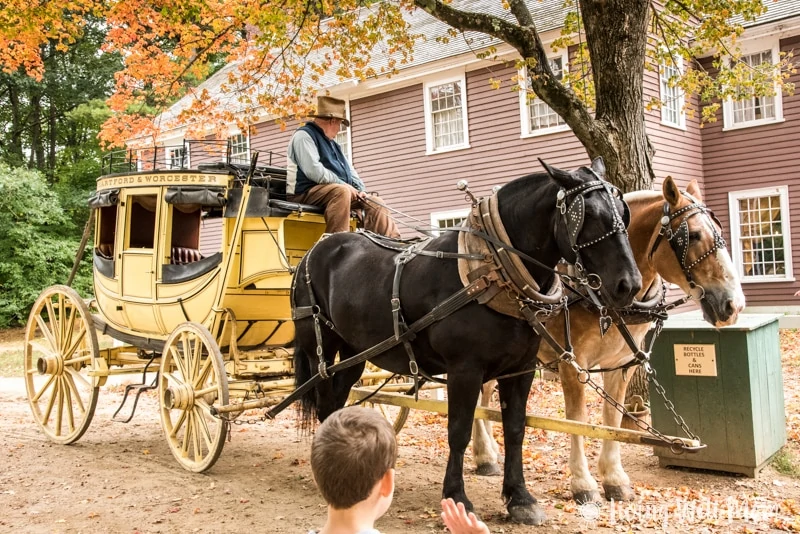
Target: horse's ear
x=552 y=171
x=671 y=192
x=694 y=189
x=599 y=167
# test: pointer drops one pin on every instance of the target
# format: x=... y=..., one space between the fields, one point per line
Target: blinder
x=574 y=214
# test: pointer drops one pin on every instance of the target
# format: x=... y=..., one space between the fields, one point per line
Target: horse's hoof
x=583 y=497
x=618 y=493
x=489 y=470
x=529 y=514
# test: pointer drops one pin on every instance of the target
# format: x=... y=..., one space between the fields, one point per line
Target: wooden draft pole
x=534 y=421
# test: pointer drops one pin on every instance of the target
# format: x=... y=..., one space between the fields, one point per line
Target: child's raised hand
x=457 y=519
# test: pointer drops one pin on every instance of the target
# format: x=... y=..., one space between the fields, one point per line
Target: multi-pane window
x=757 y=107
x=672 y=99
x=446 y=115
x=343 y=138
x=177 y=158
x=755 y=110
x=760 y=231
x=448 y=219
x=537 y=117
x=240 y=148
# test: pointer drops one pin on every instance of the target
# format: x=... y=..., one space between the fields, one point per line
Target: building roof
x=776 y=10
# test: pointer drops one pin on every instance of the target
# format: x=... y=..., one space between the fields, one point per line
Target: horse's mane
x=636 y=199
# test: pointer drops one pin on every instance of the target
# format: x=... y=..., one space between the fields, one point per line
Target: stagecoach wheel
x=396 y=415
x=61 y=351
x=191 y=381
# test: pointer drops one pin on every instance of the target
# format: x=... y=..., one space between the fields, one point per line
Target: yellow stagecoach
x=192 y=273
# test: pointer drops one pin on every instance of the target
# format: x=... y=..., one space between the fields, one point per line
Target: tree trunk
x=616 y=34
x=52 y=140
x=638 y=385
x=35 y=122
x=15 y=144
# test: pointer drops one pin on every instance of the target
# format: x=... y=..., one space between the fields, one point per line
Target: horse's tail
x=307 y=409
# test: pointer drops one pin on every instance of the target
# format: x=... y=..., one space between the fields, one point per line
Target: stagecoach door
x=142 y=211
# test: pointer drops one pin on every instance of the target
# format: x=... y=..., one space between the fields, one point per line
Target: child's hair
x=351 y=451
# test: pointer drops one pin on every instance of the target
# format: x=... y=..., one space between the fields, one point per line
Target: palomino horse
x=348 y=297
x=696 y=260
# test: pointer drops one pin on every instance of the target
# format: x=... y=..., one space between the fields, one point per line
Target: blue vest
x=331 y=157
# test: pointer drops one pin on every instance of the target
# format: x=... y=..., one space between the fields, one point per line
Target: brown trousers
x=337 y=200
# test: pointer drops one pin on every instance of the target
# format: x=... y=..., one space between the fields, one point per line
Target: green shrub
x=38 y=242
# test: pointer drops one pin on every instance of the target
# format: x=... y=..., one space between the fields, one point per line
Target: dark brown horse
x=709 y=267
x=346 y=281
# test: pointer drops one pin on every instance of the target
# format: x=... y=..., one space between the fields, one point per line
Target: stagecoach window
x=143 y=221
x=446 y=114
x=761 y=236
x=185 y=232
x=106 y=230
x=537 y=117
x=745 y=108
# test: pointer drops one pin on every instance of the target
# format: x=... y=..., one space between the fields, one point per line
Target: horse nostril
x=626 y=288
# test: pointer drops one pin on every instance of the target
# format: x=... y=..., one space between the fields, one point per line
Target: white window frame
x=429 y=137
x=438 y=216
x=247 y=147
x=185 y=158
x=754 y=47
x=680 y=99
x=524 y=105
x=736 y=245
x=346 y=130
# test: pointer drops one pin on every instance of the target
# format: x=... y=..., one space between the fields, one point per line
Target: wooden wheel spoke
x=48 y=334
x=196 y=428
x=73 y=348
x=41 y=392
x=69 y=379
x=202 y=376
x=54 y=327
x=73 y=374
x=79 y=359
x=68 y=403
x=201 y=414
x=179 y=361
x=197 y=355
x=172 y=377
x=62 y=323
x=178 y=424
x=187 y=436
x=68 y=331
x=60 y=409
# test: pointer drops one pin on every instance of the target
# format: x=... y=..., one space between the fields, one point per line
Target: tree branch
x=522 y=13
x=479 y=22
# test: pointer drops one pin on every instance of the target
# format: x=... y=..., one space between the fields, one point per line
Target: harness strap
x=450 y=305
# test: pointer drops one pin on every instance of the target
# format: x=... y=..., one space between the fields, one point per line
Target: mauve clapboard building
x=439 y=120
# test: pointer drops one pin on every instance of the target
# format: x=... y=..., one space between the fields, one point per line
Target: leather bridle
x=573 y=215
x=679 y=239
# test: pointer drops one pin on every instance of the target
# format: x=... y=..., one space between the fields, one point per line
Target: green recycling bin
x=727 y=385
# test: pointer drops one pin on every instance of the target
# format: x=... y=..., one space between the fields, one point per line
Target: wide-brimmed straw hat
x=331 y=108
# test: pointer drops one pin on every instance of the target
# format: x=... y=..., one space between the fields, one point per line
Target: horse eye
x=694 y=236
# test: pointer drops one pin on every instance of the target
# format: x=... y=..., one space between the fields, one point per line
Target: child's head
x=353 y=450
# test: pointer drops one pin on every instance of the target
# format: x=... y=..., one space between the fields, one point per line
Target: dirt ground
x=123 y=478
